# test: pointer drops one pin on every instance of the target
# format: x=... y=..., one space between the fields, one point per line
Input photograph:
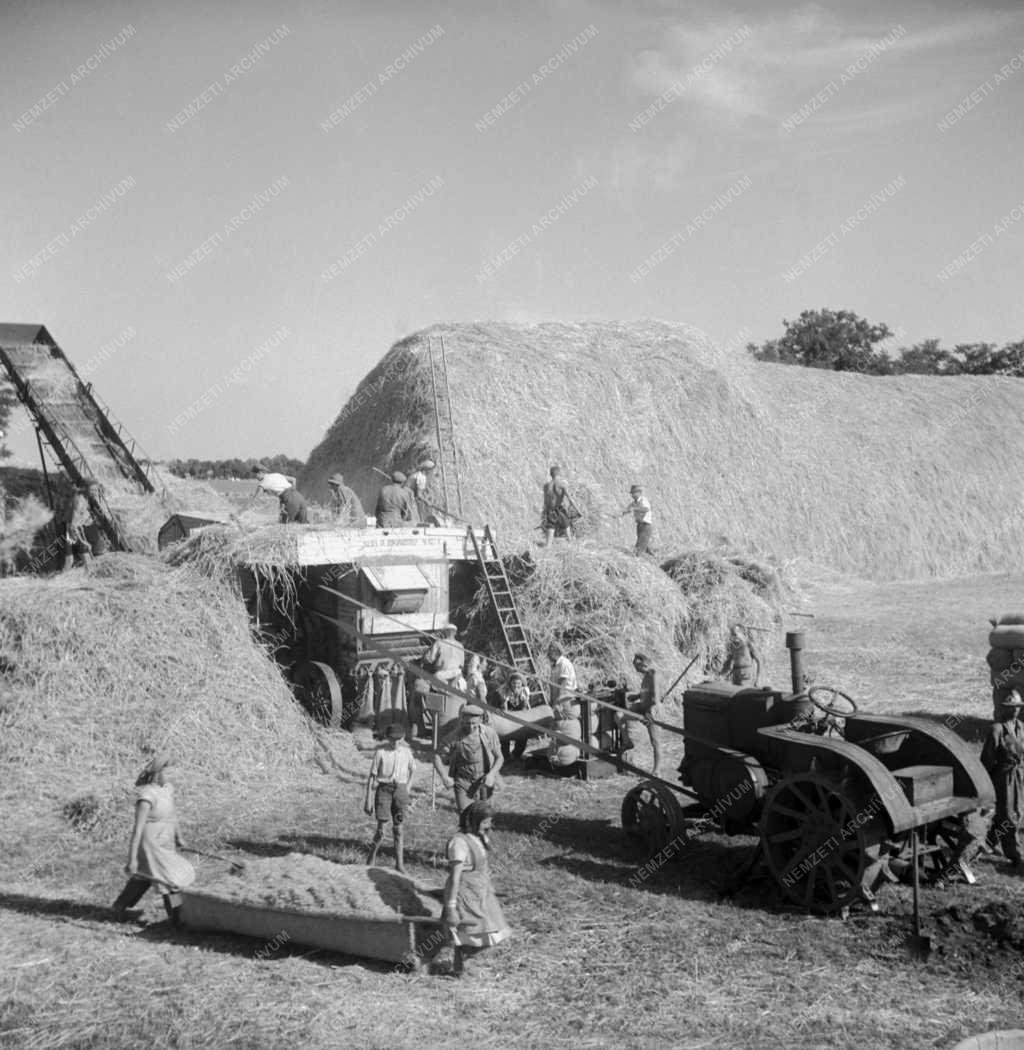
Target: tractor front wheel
x=653 y=819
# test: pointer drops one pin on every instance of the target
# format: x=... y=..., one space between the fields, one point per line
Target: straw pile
x=302 y=882
x=98 y=668
x=603 y=606
x=882 y=476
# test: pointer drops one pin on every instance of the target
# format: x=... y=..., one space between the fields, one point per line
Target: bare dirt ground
x=599 y=958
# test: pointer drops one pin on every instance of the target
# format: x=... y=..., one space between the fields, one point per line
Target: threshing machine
x=839 y=799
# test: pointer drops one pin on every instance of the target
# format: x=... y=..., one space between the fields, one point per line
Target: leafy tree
x=838 y=340
x=926 y=358
x=232 y=468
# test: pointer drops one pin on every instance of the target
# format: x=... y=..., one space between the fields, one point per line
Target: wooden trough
x=407 y=940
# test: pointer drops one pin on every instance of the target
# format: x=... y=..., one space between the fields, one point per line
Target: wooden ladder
x=500 y=591
x=447 y=453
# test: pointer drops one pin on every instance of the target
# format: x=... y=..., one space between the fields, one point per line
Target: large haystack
x=97 y=667
x=882 y=476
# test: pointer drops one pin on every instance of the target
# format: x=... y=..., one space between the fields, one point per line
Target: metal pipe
x=795 y=644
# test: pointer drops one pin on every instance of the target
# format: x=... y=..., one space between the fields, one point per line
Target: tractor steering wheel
x=815 y=696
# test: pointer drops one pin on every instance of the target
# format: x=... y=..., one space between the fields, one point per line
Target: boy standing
x=387 y=791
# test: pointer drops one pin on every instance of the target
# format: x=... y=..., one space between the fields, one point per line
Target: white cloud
x=791 y=56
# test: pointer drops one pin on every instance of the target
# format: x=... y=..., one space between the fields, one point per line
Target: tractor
x=840 y=800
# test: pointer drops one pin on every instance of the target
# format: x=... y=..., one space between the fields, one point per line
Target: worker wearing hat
x=396 y=509
x=387 y=791
x=640 y=507
x=346 y=510
x=470 y=759
x=292 y=504
x=1003 y=756
x=418 y=482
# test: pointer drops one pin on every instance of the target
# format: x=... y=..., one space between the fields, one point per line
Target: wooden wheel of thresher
x=318 y=688
x=823 y=841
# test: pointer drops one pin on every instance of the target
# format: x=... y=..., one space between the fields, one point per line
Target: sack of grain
x=559 y=752
x=1010 y=636
x=1000 y=659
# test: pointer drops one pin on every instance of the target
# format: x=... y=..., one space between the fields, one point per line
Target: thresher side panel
x=332 y=644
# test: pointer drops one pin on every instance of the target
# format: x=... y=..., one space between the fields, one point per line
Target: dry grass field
x=597 y=960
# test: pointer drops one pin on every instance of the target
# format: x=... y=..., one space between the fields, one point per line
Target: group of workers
x=561 y=517
x=403 y=501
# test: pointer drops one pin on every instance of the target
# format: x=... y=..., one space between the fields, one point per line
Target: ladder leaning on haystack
x=500 y=592
x=444 y=426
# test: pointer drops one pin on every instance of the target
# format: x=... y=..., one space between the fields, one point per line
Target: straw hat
x=336 y=479
x=426 y=464
x=636 y=488
x=398 y=477
x=1014 y=700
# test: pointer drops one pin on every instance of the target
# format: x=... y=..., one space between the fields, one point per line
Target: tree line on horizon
x=232 y=468
x=840 y=341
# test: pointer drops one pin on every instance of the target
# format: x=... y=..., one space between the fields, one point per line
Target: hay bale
x=96 y=667
x=883 y=476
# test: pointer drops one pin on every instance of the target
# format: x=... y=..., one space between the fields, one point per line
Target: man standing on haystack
x=76 y=515
x=292 y=504
x=396 y=507
x=346 y=510
x=560 y=512
x=640 y=507
x=418 y=483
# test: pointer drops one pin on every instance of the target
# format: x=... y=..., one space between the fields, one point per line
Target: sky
x=226 y=213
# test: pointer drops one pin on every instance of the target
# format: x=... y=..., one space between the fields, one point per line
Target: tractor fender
x=794 y=752
x=970 y=778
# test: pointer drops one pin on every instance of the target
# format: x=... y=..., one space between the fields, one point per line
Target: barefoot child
x=387 y=791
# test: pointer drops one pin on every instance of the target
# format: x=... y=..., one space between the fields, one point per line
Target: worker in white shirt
x=564 y=701
x=640 y=507
x=292 y=502
x=387 y=791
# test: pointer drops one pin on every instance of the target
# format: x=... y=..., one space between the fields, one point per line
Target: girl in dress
x=153 y=859
x=472 y=914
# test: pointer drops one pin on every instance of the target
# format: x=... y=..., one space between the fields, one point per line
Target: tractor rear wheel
x=822 y=841
x=653 y=819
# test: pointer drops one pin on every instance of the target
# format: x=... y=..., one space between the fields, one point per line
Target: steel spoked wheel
x=821 y=842
x=652 y=818
x=319 y=690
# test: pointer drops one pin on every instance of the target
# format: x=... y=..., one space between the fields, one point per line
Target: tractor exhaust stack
x=795 y=644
